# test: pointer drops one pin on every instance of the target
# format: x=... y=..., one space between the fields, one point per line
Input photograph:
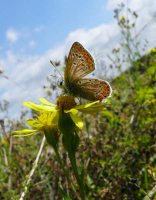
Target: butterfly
x=80 y=63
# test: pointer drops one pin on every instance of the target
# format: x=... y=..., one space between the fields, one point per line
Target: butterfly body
x=78 y=64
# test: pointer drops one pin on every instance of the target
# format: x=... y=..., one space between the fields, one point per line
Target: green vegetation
x=122 y=150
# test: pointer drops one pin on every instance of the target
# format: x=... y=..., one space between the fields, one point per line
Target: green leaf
x=52 y=136
x=68 y=128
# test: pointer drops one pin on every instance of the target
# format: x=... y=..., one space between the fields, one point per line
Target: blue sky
x=55 y=18
x=32 y=32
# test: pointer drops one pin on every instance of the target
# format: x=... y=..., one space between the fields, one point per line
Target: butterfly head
x=62 y=86
x=60 y=82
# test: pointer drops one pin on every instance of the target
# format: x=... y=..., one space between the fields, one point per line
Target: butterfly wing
x=91 y=89
x=78 y=64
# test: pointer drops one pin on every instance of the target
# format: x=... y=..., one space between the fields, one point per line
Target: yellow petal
x=34 y=123
x=52 y=118
x=93 y=110
x=44 y=101
x=91 y=107
x=73 y=111
x=39 y=108
x=86 y=105
x=77 y=120
x=25 y=132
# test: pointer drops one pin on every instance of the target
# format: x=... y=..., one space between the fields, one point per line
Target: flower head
x=49 y=114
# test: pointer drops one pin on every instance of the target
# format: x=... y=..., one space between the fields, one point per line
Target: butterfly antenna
x=55 y=66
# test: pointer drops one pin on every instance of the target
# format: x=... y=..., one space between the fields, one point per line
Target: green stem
x=77 y=175
x=66 y=172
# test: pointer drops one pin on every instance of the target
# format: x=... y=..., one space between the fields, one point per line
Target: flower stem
x=66 y=172
x=77 y=175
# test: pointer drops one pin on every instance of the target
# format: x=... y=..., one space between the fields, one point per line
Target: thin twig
x=32 y=170
x=10 y=152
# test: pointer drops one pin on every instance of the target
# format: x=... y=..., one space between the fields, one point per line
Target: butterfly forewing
x=79 y=63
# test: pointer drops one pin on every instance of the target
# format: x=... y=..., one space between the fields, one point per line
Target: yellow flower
x=40 y=123
x=49 y=113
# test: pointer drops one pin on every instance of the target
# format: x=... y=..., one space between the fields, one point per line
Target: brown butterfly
x=79 y=63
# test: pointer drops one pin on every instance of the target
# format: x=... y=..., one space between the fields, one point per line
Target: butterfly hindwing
x=79 y=63
x=92 y=89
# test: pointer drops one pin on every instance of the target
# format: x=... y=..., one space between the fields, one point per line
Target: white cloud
x=26 y=76
x=112 y=4
x=12 y=35
x=146 y=6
